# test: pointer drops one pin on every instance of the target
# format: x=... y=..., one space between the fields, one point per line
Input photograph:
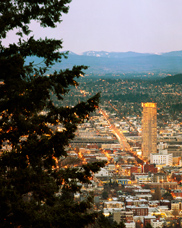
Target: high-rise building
x=149 y=129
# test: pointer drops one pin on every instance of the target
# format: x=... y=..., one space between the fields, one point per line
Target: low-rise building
x=148 y=219
x=150 y=168
x=161 y=158
x=156 y=223
x=159 y=177
x=141 y=177
x=113 y=204
x=138 y=211
x=102 y=173
x=130 y=224
x=123 y=181
x=176 y=193
x=176 y=205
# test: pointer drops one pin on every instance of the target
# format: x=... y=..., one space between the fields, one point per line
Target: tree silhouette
x=167 y=196
x=148 y=225
x=104 y=194
x=34 y=191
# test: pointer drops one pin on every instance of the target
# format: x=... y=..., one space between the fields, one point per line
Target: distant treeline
x=173 y=79
x=176 y=107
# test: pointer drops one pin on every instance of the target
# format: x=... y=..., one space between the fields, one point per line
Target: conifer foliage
x=29 y=177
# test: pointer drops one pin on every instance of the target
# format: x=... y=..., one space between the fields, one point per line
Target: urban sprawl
x=141 y=141
x=137 y=131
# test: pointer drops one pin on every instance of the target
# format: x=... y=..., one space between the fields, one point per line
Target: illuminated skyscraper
x=149 y=129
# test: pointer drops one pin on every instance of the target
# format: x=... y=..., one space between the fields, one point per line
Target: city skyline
x=120 y=26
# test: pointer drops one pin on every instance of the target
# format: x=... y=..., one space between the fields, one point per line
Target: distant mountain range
x=102 y=62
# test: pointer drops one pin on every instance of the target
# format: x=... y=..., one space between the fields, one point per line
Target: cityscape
x=141 y=143
x=90 y=114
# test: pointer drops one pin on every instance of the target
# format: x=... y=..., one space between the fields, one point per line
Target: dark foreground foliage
x=34 y=191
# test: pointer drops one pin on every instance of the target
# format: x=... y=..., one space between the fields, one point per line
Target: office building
x=161 y=158
x=149 y=129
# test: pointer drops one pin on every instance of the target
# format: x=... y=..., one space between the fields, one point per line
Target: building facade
x=161 y=158
x=149 y=129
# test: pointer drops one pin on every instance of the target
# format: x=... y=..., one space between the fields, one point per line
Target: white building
x=162 y=146
x=113 y=204
x=130 y=224
x=142 y=177
x=102 y=173
x=176 y=205
x=157 y=223
x=161 y=158
x=110 y=167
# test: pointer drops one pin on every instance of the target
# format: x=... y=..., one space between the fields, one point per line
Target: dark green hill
x=173 y=79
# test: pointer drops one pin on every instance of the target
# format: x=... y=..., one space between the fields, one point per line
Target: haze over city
x=145 y=26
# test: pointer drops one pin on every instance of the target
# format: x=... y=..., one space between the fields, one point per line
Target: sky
x=145 y=26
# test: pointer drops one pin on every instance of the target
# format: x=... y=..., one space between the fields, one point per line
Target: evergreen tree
x=29 y=176
x=107 y=222
x=121 y=225
x=104 y=194
x=148 y=226
x=167 y=196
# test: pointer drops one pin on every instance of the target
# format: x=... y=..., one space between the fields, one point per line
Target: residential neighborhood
x=129 y=189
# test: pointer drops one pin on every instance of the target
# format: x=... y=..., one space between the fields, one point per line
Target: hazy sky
x=119 y=25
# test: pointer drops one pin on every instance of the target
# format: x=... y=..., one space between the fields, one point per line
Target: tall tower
x=149 y=129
